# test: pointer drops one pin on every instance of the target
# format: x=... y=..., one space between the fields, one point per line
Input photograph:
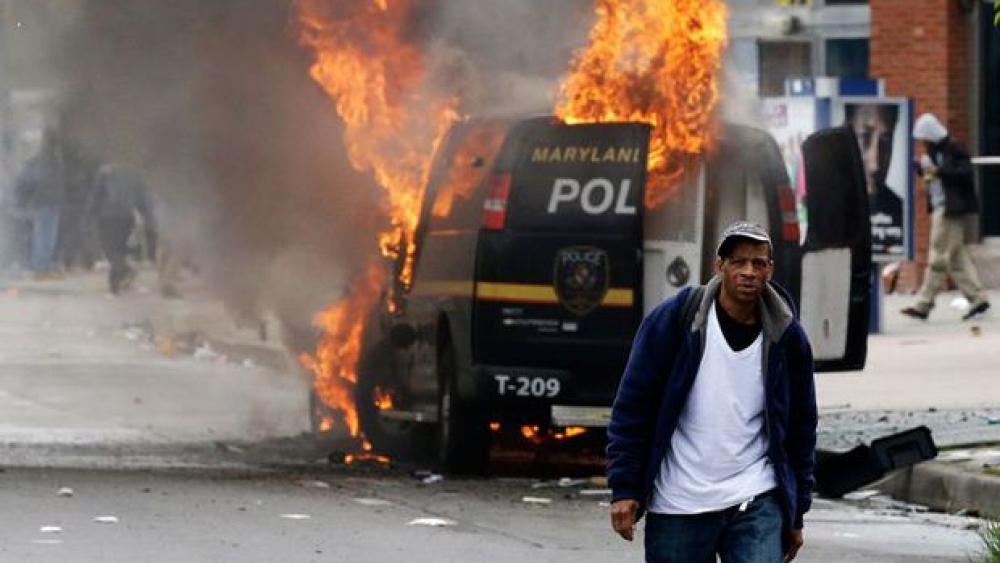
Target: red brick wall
x=921 y=50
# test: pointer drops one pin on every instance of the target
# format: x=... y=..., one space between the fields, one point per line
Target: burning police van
x=537 y=257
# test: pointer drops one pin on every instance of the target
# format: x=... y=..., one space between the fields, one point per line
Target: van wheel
x=391 y=437
x=463 y=427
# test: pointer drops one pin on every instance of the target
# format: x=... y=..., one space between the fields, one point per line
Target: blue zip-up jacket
x=656 y=384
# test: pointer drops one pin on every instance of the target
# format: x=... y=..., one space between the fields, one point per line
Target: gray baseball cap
x=741 y=230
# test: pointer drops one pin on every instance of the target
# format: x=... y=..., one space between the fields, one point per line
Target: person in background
x=40 y=190
x=78 y=243
x=713 y=429
x=947 y=169
x=118 y=197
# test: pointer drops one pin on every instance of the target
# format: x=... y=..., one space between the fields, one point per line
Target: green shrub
x=990 y=535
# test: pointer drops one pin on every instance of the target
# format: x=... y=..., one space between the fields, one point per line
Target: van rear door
x=837 y=259
x=559 y=265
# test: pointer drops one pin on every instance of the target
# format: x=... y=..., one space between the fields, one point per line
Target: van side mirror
x=402 y=336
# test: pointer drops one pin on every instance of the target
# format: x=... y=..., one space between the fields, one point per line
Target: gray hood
x=775 y=314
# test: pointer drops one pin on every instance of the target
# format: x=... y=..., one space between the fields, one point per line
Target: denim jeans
x=750 y=536
x=44 y=234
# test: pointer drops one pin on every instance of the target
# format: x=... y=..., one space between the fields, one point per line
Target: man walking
x=713 y=430
x=947 y=169
x=117 y=198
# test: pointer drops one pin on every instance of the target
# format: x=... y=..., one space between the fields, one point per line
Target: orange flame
x=392 y=122
x=364 y=61
x=654 y=61
x=339 y=349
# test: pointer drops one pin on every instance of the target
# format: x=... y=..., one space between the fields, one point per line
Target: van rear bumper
x=547 y=396
x=566 y=415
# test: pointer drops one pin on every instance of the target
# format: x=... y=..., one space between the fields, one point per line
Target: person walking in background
x=78 y=243
x=947 y=169
x=118 y=197
x=713 y=429
x=40 y=189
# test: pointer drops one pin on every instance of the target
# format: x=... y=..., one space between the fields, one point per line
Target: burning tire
x=463 y=428
x=376 y=382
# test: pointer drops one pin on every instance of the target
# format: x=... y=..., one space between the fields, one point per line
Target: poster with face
x=882 y=128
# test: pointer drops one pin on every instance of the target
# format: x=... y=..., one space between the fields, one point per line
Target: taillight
x=495 y=206
x=789 y=214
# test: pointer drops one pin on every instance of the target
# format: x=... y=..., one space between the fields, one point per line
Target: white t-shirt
x=718 y=453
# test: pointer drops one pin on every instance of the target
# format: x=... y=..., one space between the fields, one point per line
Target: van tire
x=394 y=438
x=463 y=436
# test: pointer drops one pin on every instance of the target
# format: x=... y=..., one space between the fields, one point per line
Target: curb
x=943 y=486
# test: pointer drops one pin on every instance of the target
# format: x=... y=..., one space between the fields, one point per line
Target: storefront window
x=847 y=58
x=780 y=60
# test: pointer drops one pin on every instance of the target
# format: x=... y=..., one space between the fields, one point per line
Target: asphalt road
x=347 y=515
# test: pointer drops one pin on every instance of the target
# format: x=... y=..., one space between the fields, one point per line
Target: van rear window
x=468 y=157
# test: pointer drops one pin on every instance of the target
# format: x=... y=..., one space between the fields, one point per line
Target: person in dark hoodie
x=947 y=169
x=117 y=199
x=40 y=189
x=713 y=430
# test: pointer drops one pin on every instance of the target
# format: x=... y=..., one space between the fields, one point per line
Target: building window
x=847 y=58
x=780 y=60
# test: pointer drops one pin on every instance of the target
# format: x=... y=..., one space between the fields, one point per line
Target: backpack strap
x=682 y=321
x=690 y=308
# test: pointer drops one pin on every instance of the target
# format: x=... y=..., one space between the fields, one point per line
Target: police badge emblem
x=581 y=278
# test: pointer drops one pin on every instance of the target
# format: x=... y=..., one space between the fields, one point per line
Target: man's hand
x=794 y=543
x=623 y=517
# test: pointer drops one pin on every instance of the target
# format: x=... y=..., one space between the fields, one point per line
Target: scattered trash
x=536 y=500
x=598 y=481
x=604 y=504
x=133 y=333
x=595 y=492
x=295 y=516
x=314 y=484
x=65 y=492
x=960 y=303
x=861 y=495
x=975 y=330
x=564 y=482
x=373 y=502
x=166 y=347
x=106 y=519
x=204 y=352
x=248 y=363
x=436 y=522
x=229 y=448
x=139 y=330
x=432 y=478
x=50 y=529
